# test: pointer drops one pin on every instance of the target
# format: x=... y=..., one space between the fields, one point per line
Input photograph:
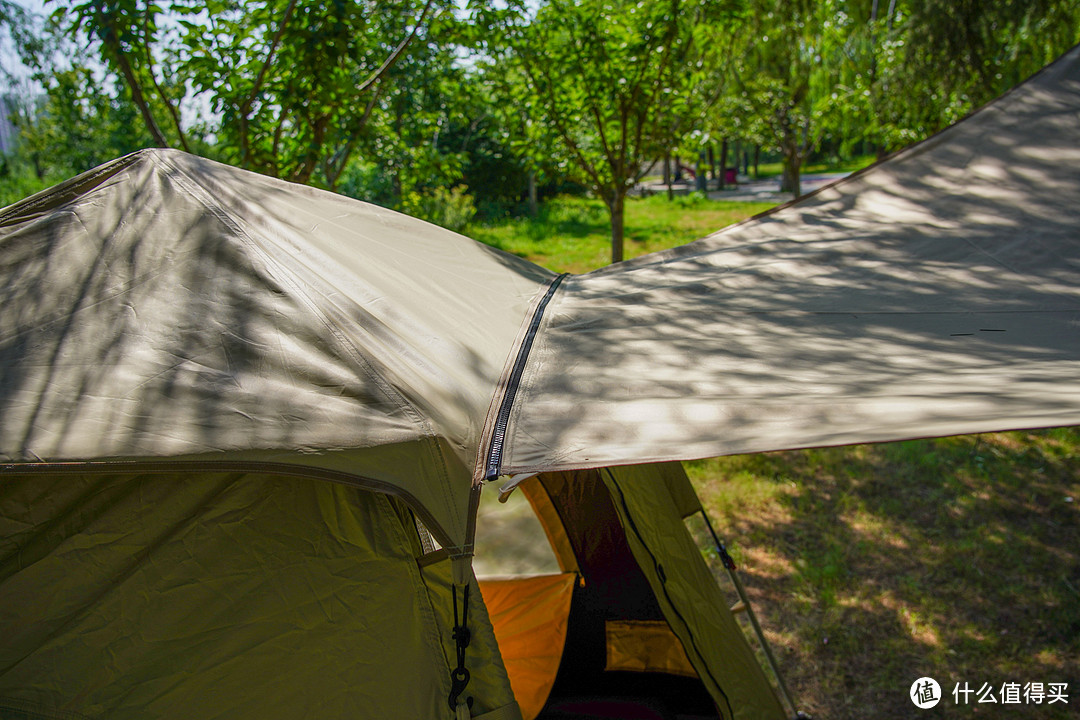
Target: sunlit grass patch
x=574 y=234
x=772 y=169
x=957 y=558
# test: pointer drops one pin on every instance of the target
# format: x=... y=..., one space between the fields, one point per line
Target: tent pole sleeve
x=729 y=565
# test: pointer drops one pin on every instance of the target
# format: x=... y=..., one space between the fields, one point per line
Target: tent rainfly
x=244 y=424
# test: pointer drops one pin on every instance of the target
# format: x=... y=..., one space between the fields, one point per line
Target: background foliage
x=397 y=101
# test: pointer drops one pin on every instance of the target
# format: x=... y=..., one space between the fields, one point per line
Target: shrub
x=451 y=209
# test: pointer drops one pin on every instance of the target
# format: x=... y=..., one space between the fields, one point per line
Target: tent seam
x=169 y=465
x=85 y=182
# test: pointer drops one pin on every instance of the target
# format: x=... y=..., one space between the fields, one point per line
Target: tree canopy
x=614 y=81
x=443 y=108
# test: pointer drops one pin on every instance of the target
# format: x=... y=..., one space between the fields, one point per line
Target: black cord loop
x=459 y=676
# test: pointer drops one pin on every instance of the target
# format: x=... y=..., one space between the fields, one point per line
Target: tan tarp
x=166 y=306
x=937 y=293
x=224 y=596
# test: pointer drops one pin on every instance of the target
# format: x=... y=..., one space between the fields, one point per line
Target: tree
x=77 y=123
x=530 y=150
x=22 y=39
x=69 y=117
x=613 y=80
x=957 y=55
x=893 y=72
x=292 y=83
x=420 y=130
x=785 y=71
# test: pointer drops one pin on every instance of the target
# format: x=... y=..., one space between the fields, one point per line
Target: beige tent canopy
x=234 y=412
x=937 y=293
x=165 y=306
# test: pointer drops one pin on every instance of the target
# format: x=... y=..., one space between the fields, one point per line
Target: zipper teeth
x=502 y=421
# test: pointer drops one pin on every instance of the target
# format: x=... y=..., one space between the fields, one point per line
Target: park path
x=767 y=190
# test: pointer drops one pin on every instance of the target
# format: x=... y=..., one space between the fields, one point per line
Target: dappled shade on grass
x=874 y=565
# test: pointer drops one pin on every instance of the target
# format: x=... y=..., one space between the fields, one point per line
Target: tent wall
x=611 y=572
x=613 y=592
x=687 y=591
x=224 y=596
x=530 y=616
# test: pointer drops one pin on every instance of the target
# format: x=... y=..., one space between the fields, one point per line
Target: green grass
x=871 y=566
x=574 y=234
x=774 y=169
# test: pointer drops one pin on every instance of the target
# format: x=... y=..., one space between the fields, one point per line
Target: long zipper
x=493 y=467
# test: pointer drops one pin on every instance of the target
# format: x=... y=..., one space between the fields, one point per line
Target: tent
x=244 y=425
x=239 y=419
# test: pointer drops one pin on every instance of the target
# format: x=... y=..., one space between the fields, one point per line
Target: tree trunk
x=712 y=163
x=735 y=154
x=792 y=164
x=106 y=21
x=668 y=176
x=534 y=204
x=617 y=208
x=135 y=88
x=757 y=155
x=723 y=163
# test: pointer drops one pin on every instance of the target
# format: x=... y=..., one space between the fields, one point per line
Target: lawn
x=774 y=169
x=872 y=566
x=574 y=234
